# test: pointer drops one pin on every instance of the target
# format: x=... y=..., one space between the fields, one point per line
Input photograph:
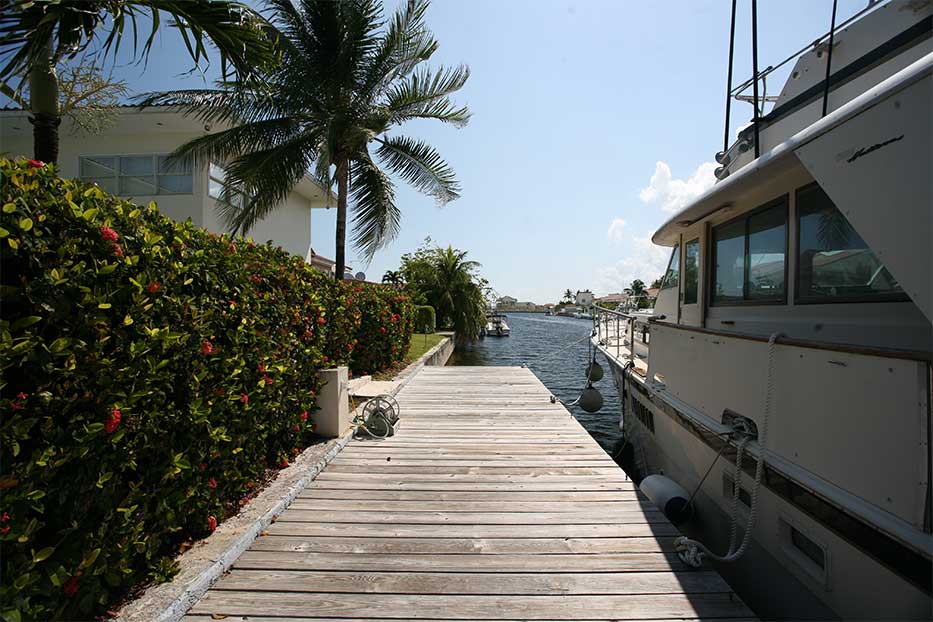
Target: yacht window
x=691 y=271
x=672 y=276
x=728 y=263
x=834 y=263
x=767 y=244
x=749 y=257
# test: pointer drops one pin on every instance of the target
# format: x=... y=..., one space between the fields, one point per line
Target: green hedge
x=153 y=374
x=424 y=317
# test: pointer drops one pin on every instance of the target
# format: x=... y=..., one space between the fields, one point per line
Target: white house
x=584 y=299
x=128 y=159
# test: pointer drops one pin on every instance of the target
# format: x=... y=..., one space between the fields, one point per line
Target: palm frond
x=376 y=217
x=405 y=43
x=266 y=177
x=420 y=165
x=232 y=143
x=425 y=94
x=233 y=104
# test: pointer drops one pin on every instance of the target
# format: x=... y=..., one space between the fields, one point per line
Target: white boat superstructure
x=496 y=326
x=794 y=325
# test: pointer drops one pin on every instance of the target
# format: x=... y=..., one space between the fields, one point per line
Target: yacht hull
x=851 y=585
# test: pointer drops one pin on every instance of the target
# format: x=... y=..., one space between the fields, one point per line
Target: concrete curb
x=210 y=558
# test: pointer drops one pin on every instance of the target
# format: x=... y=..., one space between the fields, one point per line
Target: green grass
x=417 y=347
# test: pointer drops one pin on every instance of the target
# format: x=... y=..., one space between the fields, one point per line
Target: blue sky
x=590 y=120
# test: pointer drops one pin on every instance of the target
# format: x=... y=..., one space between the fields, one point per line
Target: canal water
x=556 y=349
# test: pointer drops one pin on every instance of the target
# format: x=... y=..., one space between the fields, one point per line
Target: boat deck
x=491 y=503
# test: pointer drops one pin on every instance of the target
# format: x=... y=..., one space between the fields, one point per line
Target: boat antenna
x=755 y=72
x=725 y=138
x=829 y=59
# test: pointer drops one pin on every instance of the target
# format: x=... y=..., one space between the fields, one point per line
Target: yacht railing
x=625 y=334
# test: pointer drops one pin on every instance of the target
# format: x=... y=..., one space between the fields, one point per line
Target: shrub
x=152 y=373
x=424 y=318
x=385 y=329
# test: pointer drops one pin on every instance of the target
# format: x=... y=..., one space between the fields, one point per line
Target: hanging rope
x=693 y=552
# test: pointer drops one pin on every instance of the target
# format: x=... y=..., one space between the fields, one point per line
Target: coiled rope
x=693 y=552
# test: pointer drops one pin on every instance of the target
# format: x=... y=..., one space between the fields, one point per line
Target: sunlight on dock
x=491 y=503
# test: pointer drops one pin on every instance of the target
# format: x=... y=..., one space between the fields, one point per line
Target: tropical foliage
x=347 y=77
x=37 y=35
x=152 y=375
x=425 y=319
x=450 y=283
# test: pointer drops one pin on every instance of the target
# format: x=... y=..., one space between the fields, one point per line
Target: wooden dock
x=490 y=504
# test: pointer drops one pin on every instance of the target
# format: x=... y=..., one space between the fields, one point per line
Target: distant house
x=584 y=298
x=506 y=301
x=613 y=300
x=129 y=159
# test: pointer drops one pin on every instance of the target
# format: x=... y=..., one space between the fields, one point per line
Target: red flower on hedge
x=261 y=368
x=109 y=234
x=267 y=380
x=325 y=358
x=153 y=287
x=16 y=405
x=112 y=422
x=296 y=428
x=70 y=587
x=21 y=395
x=283 y=463
x=4 y=517
x=207 y=348
x=35 y=163
x=117 y=250
x=382 y=329
x=321 y=320
x=4 y=530
x=244 y=398
x=211 y=523
x=202 y=467
x=212 y=483
x=304 y=416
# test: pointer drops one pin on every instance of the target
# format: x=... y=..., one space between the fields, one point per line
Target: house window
x=217 y=179
x=834 y=264
x=749 y=257
x=137 y=175
x=691 y=271
x=672 y=276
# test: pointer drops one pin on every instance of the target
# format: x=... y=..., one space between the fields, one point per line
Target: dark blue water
x=535 y=341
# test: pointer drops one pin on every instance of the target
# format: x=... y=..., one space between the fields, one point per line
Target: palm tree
x=35 y=36
x=394 y=278
x=346 y=79
x=568 y=295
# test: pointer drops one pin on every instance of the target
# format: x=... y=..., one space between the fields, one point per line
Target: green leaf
x=25 y=224
x=23 y=322
x=89 y=214
x=59 y=345
x=104 y=305
x=90 y=558
x=3 y=233
x=107 y=269
x=43 y=555
x=9 y=208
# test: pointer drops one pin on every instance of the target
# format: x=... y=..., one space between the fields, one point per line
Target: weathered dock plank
x=491 y=503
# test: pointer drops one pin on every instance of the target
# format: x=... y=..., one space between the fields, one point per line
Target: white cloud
x=647 y=262
x=672 y=194
x=616 y=230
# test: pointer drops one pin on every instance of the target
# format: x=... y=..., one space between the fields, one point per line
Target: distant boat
x=496 y=325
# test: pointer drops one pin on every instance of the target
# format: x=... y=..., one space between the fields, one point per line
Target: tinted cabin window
x=729 y=262
x=691 y=271
x=672 y=276
x=834 y=263
x=767 y=243
x=749 y=256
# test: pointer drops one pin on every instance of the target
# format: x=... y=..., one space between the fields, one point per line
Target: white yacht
x=792 y=334
x=496 y=325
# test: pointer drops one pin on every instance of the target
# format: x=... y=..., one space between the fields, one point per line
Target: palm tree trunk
x=43 y=102
x=341 y=236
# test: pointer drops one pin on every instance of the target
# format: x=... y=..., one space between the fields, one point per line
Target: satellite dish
x=360 y=276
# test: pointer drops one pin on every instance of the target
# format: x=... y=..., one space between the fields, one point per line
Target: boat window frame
x=664 y=281
x=782 y=200
x=831 y=300
x=699 y=260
